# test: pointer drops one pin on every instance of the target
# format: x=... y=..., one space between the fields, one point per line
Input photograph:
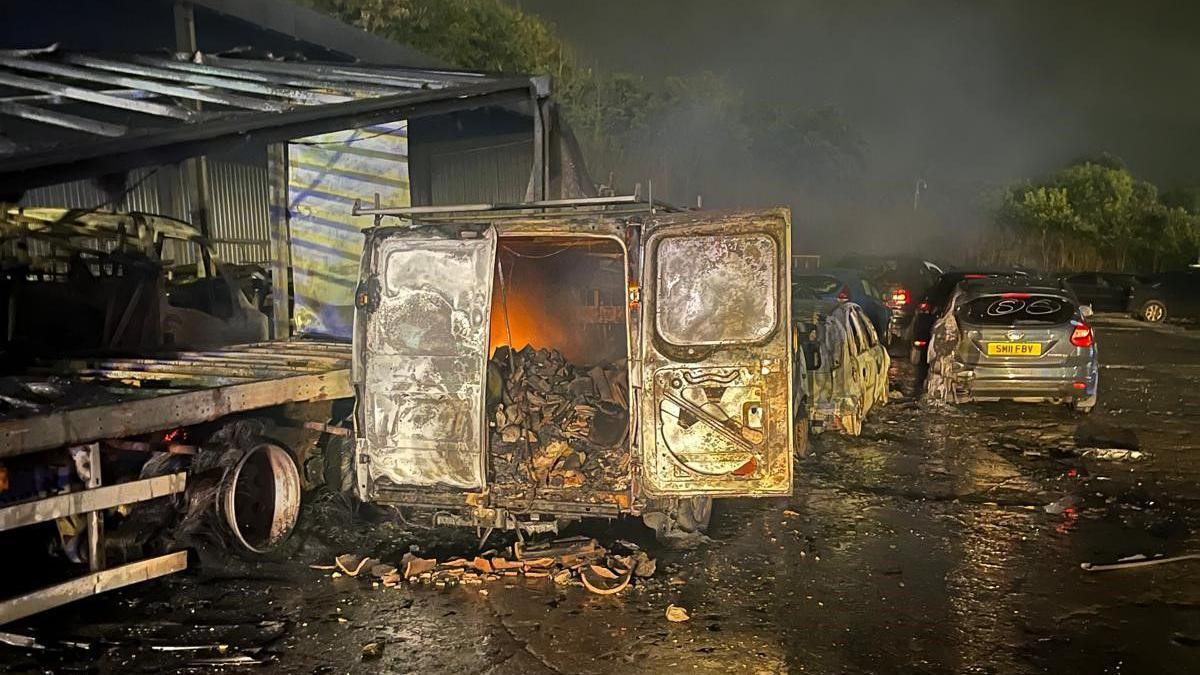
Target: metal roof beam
x=288 y=93
x=92 y=96
x=336 y=73
x=56 y=165
x=60 y=119
x=232 y=100
x=306 y=83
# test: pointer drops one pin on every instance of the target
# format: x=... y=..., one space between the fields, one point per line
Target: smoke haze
x=965 y=96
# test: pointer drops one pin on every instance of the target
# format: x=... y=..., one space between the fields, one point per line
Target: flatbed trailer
x=147 y=394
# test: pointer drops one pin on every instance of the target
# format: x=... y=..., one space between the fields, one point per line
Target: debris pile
x=553 y=424
x=566 y=561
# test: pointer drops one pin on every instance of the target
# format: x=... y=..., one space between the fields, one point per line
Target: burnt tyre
x=679 y=523
x=694 y=514
x=1153 y=311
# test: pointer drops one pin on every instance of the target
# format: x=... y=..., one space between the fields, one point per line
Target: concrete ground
x=925 y=545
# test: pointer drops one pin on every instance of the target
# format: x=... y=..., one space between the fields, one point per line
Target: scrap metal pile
x=577 y=560
x=556 y=425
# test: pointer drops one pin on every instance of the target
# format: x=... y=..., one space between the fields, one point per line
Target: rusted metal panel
x=421 y=352
x=95 y=499
x=716 y=406
x=91 y=584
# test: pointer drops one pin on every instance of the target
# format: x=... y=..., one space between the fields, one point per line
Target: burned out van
x=518 y=368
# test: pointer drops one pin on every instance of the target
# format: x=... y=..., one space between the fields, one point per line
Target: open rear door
x=421 y=339
x=716 y=374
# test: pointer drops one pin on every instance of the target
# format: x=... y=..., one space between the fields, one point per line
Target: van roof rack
x=617 y=204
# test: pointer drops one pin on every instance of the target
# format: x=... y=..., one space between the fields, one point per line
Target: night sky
x=981 y=91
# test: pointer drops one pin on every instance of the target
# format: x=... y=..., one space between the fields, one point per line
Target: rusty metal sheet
x=716 y=371
x=422 y=340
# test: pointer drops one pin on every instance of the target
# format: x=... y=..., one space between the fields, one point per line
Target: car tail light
x=1082 y=335
x=920 y=343
x=923 y=308
x=1079 y=385
x=844 y=294
x=900 y=298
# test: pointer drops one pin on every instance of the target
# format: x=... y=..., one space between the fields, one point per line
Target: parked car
x=935 y=300
x=1173 y=295
x=849 y=375
x=1104 y=291
x=822 y=292
x=1011 y=339
x=902 y=280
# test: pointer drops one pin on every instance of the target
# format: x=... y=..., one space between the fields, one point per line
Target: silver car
x=998 y=340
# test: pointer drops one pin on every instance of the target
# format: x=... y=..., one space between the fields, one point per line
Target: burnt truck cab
x=519 y=369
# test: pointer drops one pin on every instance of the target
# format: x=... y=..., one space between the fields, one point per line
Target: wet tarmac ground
x=940 y=541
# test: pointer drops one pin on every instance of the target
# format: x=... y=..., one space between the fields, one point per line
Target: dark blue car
x=820 y=291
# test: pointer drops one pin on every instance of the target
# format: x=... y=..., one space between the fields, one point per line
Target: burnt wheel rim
x=260 y=500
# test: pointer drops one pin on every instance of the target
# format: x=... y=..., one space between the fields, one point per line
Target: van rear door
x=715 y=409
x=420 y=357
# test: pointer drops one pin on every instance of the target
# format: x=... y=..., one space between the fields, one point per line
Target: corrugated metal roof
x=66 y=115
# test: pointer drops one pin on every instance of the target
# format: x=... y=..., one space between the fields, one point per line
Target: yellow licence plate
x=1014 y=349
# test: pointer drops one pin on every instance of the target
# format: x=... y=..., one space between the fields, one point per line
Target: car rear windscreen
x=817 y=284
x=1017 y=308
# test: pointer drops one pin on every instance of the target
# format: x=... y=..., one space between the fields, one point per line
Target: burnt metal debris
x=556 y=425
x=575 y=560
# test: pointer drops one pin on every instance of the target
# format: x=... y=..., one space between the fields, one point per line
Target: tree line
x=1093 y=215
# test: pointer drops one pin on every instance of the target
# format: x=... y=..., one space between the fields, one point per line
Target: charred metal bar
x=539 y=174
x=185 y=26
x=93 y=499
x=360 y=210
x=118 y=420
x=91 y=584
x=281 y=253
x=189 y=380
x=91 y=75
x=92 y=96
x=257 y=370
x=61 y=119
x=95 y=528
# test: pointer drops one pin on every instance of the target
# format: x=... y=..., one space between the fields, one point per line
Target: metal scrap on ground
x=565 y=561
